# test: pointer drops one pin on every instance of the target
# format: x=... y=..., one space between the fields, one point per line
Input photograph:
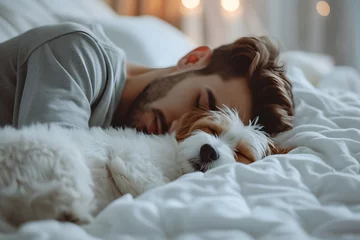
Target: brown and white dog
x=48 y=172
x=225 y=134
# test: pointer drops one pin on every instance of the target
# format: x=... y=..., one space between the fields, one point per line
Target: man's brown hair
x=256 y=59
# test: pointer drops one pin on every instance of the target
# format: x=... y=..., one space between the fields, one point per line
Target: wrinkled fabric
x=310 y=193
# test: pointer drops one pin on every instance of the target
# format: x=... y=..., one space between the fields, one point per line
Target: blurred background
x=329 y=27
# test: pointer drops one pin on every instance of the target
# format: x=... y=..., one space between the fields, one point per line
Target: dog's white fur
x=48 y=172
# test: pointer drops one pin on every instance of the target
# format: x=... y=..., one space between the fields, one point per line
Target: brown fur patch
x=198 y=119
x=244 y=154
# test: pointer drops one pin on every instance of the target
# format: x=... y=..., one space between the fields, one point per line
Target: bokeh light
x=230 y=5
x=190 y=3
x=323 y=8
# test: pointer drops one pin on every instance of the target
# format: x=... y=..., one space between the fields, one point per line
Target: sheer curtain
x=295 y=24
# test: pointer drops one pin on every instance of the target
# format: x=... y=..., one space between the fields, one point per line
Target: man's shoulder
x=34 y=38
x=45 y=33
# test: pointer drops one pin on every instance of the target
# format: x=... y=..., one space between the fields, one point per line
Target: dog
x=49 y=172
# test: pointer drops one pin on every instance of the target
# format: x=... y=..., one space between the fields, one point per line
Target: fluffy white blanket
x=311 y=193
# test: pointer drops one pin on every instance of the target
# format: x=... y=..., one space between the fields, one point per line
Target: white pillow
x=18 y=16
x=148 y=40
x=314 y=66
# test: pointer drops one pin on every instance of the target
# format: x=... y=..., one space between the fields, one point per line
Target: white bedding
x=311 y=193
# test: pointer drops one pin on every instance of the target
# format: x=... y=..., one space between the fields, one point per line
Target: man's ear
x=197 y=58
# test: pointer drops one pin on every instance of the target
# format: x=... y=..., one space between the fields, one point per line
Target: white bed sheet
x=311 y=193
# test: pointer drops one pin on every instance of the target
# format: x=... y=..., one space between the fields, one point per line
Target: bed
x=311 y=193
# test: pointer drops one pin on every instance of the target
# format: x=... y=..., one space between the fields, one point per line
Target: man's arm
x=134 y=69
x=138 y=71
x=63 y=79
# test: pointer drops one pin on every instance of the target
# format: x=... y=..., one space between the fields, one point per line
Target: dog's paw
x=69 y=216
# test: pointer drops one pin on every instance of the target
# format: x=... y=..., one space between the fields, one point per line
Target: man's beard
x=156 y=90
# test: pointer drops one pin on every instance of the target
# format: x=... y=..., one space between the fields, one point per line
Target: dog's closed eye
x=244 y=154
x=210 y=130
x=208 y=126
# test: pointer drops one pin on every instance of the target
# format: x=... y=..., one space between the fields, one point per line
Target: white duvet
x=311 y=193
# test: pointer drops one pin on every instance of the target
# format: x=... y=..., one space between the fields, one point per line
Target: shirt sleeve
x=64 y=76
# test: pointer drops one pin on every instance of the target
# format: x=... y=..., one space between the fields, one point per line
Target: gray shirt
x=69 y=74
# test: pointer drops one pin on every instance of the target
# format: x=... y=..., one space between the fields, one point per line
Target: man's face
x=165 y=100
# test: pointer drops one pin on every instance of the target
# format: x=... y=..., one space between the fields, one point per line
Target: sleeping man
x=73 y=75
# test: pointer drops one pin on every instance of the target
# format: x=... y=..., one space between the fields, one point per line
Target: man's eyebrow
x=211 y=100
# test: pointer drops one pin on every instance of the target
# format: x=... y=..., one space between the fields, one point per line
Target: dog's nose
x=208 y=153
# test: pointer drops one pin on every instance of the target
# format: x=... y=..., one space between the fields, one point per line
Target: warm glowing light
x=230 y=5
x=323 y=8
x=190 y=3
